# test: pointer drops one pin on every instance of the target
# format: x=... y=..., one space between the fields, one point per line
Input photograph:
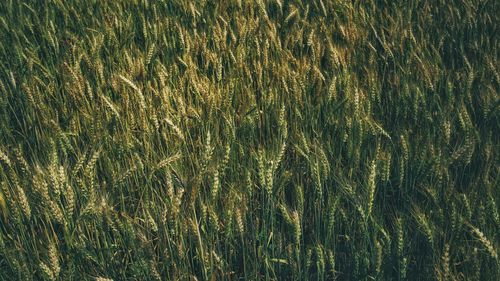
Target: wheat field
x=249 y=140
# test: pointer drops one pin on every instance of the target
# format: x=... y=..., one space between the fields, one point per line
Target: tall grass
x=249 y=140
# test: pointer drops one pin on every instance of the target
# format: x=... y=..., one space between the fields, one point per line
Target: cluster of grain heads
x=270 y=139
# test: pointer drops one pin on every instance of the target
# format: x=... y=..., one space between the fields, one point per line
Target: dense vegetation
x=255 y=140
